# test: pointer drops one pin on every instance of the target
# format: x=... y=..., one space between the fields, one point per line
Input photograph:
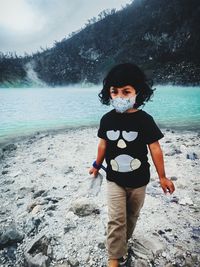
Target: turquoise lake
x=27 y=110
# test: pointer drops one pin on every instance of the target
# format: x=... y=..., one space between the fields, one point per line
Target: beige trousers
x=124 y=205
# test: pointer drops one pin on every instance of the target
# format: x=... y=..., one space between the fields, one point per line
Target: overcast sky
x=27 y=25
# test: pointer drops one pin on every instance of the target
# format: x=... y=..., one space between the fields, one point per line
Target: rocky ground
x=48 y=219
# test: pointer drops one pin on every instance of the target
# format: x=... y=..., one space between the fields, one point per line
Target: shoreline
x=45 y=203
x=15 y=139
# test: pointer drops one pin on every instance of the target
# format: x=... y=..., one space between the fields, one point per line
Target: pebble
x=36 y=209
x=174 y=178
x=192 y=156
x=186 y=201
x=9 y=148
x=39 y=160
x=174 y=199
x=4 y=172
x=38 y=193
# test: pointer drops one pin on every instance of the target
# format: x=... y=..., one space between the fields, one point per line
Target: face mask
x=123 y=104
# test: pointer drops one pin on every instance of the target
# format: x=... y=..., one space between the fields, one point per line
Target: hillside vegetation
x=161 y=36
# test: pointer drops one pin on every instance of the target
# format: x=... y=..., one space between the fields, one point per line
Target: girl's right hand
x=93 y=171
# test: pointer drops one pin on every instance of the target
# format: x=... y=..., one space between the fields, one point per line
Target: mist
x=27 y=25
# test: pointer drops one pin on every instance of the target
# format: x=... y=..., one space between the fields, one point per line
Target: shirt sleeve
x=152 y=133
x=101 y=131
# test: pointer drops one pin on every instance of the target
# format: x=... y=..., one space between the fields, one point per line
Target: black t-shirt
x=127 y=136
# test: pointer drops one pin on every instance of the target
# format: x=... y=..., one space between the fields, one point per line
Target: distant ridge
x=161 y=36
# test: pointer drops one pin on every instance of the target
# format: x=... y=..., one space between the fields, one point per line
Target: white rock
x=164 y=254
x=36 y=209
x=83 y=207
x=186 y=201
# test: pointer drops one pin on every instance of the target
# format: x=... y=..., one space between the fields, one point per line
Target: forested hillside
x=159 y=35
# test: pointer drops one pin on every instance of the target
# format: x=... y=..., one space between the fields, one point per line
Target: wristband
x=96 y=166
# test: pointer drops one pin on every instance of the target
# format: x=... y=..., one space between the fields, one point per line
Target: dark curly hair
x=127 y=74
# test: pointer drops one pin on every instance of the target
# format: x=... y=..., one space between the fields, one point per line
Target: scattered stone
x=10 y=236
x=192 y=156
x=70 y=226
x=195 y=237
x=43 y=202
x=53 y=199
x=32 y=225
x=38 y=193
x=24 y=191
x=168 y=230
x=73 y=262
x=50 y=214
x=39 y=254
x=69 y=170
x=9 y=148
x=43 y=136
x=173 y=151
x=161 y=232
x=9 y=182
x=31 y=141
x=196 y=230
x=5 y=190
x=186 y=201
x=147 y=248
x=155 y=184
x=4 y=172
x=101 y=245
x=164 y=254
x=174 y=199
x=197 y=189
x=36 y=209
x=31 y=206
x=195 y=258
x=7 y=166
x=82 y=239
x=70 y=222
x=39 y=160
x=174 y=178
x=84 y=207
x=52 y=207
x=19 y=204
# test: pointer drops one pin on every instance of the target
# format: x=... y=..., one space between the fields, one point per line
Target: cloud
x=27 y=25
x=18 y=16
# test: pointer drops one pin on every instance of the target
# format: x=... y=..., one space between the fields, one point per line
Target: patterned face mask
x=123 y=104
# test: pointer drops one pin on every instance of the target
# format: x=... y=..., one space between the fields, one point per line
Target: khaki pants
x=124 y=205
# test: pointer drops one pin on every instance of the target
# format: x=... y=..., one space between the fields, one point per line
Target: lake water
x=27 y=110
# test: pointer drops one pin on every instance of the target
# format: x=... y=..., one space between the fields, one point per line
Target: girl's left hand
x=167 y=185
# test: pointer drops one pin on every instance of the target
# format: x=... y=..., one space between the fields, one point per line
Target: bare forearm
x=158 y=160
x=101 y=151
x=100 y=155
x=157 y=157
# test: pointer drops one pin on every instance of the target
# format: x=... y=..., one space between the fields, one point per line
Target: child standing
x=124 y=135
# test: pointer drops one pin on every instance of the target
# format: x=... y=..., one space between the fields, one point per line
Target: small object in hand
x=95 y=184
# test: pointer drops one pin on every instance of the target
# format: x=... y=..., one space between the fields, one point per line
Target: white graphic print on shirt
x=123 y=162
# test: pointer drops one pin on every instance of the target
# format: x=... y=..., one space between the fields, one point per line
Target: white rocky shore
x=47 y=219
